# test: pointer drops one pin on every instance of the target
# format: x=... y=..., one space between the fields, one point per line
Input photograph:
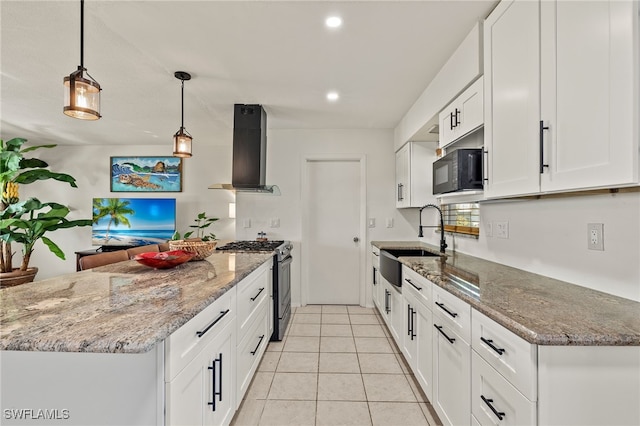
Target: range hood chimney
x=249 y=151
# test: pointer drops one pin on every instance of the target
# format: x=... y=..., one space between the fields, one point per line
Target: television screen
x=133 y=221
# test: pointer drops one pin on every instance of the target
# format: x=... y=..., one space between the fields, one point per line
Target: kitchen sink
x=391 y=268
x=410 y=252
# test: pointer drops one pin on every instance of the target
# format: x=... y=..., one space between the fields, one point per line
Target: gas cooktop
x=252 y=245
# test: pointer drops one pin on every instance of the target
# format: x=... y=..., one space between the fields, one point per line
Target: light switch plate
x=372 y=222
x=247 y=223
x=275 y=222
x=389 y=222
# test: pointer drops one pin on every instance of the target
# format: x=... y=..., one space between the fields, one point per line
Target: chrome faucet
x=443 y=243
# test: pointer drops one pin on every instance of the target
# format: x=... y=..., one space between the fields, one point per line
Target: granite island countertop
x=541 y=310
x=124 y=307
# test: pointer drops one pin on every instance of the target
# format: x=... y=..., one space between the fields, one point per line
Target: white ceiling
x=278 y=54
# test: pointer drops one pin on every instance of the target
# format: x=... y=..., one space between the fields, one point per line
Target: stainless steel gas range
x=281 y=277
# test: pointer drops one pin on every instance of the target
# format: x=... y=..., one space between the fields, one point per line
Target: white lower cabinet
x=210 y=360
x=392 y=311
x=451 y=374
x=251 y=349
x=496 y=401
x=376 y=287
x=203 y=393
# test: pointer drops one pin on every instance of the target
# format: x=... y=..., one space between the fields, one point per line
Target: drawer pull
x=489 y=343
x=439 y=327
x=441 y=306
x=256 y=296
x=253 y=352
x=375 y=254
x=414 y=286
x=222 y=314
x=500 y=415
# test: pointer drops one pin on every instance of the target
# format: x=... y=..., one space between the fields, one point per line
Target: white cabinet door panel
x=587 y=96
x=494 y=400
x=512 y=99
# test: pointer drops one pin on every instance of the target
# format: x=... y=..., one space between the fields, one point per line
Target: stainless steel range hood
x=249 y=151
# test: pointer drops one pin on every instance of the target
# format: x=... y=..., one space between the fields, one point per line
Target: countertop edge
x=509 y=322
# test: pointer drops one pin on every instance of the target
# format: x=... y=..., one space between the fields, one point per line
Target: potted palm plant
x=25 y=222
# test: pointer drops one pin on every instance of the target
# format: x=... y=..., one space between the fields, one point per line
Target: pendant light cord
x=182 y=102
x=82 y=34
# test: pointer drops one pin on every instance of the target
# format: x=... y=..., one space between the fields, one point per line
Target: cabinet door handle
x=213 y=382
x=500 y=415
x=439 y=327
x=408 y=320
x=414 y=286
x=485 y=163
x=387 y=308
x=253 y=299
x=489 y=343
x=376 y=254
x=542 y=129
x=451 y=126
x=222 y=314
x=413 y=324
x=374 y=276
x=441 y=306
x=253 y=352
x=457 y=120
x=400 y=192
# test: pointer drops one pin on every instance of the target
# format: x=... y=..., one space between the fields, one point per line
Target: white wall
x=285 y=155
x=90 y=165
x=549 y=237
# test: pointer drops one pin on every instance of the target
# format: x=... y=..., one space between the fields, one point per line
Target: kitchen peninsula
x=117 y=344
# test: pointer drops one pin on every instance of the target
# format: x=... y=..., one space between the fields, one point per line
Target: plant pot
x=202 y=249
x=16 y=277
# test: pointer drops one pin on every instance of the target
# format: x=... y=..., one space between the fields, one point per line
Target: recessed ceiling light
x=333 y=22
x=332 y=96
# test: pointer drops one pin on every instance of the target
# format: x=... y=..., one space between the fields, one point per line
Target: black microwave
x=459 y=170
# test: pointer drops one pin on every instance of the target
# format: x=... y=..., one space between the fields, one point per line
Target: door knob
x=356 y=239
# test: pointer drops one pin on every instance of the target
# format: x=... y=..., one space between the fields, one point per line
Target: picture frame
x=146 y=174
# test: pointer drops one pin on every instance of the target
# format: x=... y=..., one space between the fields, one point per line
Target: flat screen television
x=133 y=221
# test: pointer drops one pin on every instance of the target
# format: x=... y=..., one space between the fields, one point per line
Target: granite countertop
x=541 y=310
x=123 y=307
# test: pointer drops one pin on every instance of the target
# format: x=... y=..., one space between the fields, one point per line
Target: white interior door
x=333 y=231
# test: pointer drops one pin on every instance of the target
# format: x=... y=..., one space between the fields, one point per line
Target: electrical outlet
x=275 y=222
x=595 y=236
x=502 y=230
x=247 y=223
x=389 y=222
x=372 y=222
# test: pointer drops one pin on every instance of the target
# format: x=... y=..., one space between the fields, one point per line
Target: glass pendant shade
x=182 y=144
x=81 y=96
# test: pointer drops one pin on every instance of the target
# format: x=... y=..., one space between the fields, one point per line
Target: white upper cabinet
x=561 y=96
x=414 y=163
x=463 y=115
x=589 y=85
x=512 y=98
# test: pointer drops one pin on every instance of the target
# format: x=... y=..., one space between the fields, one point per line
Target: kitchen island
x=102 y=346
x=489 y=343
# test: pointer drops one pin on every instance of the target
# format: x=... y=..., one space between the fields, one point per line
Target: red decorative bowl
x=164 y=259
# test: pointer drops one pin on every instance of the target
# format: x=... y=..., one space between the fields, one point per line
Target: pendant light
x=81 y=94
x=182 y=139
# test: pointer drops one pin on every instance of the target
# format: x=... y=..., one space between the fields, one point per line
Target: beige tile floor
x=337 y=365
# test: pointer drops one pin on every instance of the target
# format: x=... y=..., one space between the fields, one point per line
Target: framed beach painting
x=146 y=174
